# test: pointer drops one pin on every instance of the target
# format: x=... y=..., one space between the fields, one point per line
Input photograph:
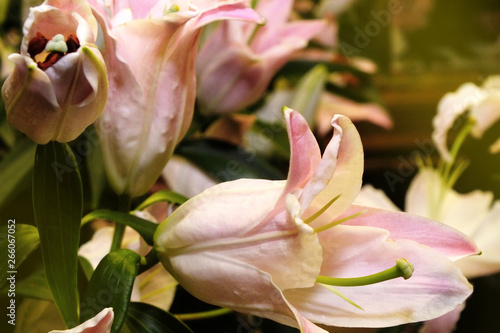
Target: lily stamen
x=336 y=222
x=402 y=269
x=321 y=211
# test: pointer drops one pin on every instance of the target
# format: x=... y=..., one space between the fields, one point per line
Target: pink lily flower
x=150 y=51
x=101 y=323
x=248 y=56
x=271 y=248
x=59 y=83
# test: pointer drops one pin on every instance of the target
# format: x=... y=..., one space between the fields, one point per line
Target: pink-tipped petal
x=304 y=151
x=438 y=236
x=338 y=173
x=436 y=287
x=101 y=323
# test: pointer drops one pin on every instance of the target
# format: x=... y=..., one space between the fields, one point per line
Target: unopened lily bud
x=59 y=84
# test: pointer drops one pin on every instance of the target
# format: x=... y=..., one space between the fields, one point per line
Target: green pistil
x=402 y=269
x=336 y=222
x=321 y=211
x=173 y=9
x=57 y=44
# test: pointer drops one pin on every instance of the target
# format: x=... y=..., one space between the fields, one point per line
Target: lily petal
x=428 y=196
x=304 y=151
x=450 y=107
x=101 y=323
x=436 y=287
x=339 y=172
x=249 y=289
x=486 y=238
x=193 y=226
x=452 y=243
x=371 y=197
x=444 y=324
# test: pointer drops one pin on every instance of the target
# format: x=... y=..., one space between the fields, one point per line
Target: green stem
x=149 y=261
x=203 y=315
x=123 y=206
x=464 y=132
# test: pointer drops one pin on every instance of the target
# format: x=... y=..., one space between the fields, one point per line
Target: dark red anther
x=73 y=43
x=37 y=44
x=51 y=59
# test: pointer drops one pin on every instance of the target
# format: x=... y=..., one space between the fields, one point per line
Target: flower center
x=47 y=52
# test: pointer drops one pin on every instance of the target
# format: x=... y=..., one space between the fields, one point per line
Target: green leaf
x=17 y=242
x=143 y=317
x=163 y=196
x=33 y=286
x=15 y=170
x=57 y=203
x=87 y=268
x=307 y=93
x=275 y=135
x=225 y=162
x=144 y=227
x=111 y=286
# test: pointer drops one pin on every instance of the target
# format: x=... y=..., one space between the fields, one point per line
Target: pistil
x=402 y=269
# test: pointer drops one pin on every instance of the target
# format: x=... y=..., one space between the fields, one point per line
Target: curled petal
x=101 y=323
x=338 y=173
x=304 y=151
x=450 y=107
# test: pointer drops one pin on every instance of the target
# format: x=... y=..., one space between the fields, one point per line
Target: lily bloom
x=150 y=51
x=483 y=104
x=101 y=323
x=298 y=251
x=248 y=56
x=59 y=83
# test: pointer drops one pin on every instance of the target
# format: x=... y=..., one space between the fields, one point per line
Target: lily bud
x=150 y=49
x=248 y=56
x=59 y=84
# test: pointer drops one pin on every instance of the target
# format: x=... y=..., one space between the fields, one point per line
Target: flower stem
x=459 y=140
x=203 y=315
x=123 y=206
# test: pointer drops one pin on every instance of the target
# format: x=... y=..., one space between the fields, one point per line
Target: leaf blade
x=111 y=286
x=58 y=205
